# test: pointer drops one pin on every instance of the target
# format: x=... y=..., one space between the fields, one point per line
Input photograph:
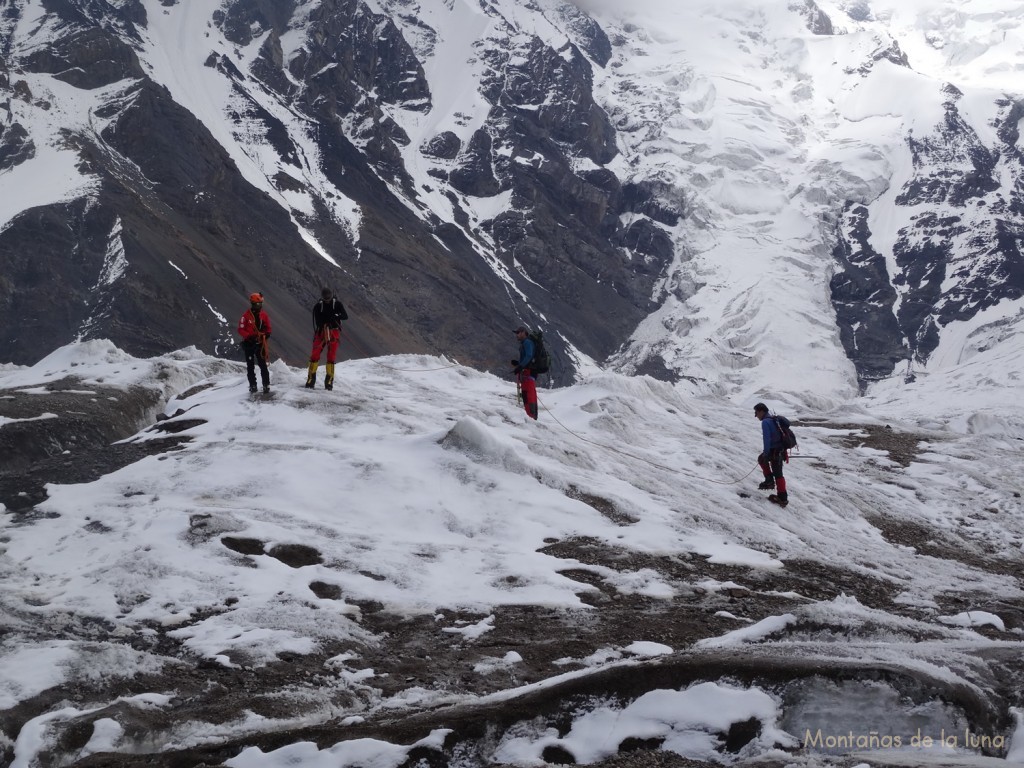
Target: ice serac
x=874 y=165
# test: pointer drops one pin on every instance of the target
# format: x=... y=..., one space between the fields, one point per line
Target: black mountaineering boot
x=768 y=484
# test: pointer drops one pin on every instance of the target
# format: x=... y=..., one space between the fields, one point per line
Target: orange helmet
x=256 y=298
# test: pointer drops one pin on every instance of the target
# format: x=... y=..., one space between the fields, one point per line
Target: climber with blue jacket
x=772 y=456
x=524 y=373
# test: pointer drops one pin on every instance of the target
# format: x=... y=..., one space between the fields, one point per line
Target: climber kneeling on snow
x=773 y=455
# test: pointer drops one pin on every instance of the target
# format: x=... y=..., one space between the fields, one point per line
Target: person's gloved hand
x=514 y=362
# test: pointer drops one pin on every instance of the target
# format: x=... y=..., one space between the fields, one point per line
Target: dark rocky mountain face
x=192 y=236
x=864 y=300
x=958 y=254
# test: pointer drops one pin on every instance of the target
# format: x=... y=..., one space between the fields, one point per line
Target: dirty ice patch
x=646 y=581
x=4 y=420
x=369 y=753
x=99 y=362
x=493 y=664
x=1015 y=753
x=647 y=649
x=33 y=736
x=759 y=631
x=974 y=619
x=598 y=658
x=106 y=732
x=472 y=631
x=87 y=360
x=258 y=644
x=476 y=441
x=29 y=671
x=689 y=722
x=722 y=552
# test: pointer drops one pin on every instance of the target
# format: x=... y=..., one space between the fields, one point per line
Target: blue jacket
x=771 y=434
x=526 y=352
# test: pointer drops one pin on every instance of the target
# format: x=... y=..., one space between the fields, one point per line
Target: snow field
x=426 y=488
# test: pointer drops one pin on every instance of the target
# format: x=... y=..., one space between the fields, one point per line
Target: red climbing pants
x=327 y=338
x=528 y=386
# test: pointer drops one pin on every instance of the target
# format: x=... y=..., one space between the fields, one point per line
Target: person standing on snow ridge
x=327 y=316
x=254 y=328
x=772 y=457
x=524 y=375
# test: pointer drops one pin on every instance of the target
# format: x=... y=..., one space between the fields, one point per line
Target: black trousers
x=772 y=463
x=254 y=357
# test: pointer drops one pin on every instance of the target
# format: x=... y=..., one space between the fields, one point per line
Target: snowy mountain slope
x=278 y=574
x=765 y=128
x=976 y=44
x=699 y=190
x=751 y=249
x=177 y=50
x=279 y=111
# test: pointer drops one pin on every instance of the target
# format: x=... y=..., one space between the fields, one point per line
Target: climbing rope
x=641 y=458
x=264 y=346
x=563 y=426
x=372 y=359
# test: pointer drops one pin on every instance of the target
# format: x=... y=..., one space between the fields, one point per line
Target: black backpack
x=541 y=359
x=788 y=438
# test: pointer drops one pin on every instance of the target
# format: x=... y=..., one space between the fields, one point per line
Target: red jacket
x=249 y=328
